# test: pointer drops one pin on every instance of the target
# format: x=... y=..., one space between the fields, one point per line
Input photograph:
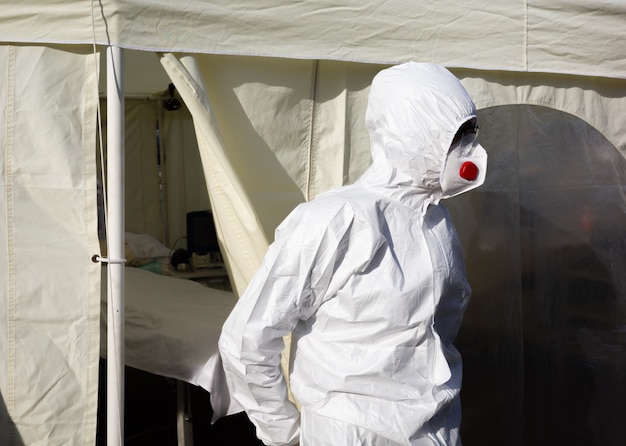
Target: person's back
x=371 y=281
x=373 y=343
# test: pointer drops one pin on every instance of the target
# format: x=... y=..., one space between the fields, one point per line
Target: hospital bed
x=172 y=328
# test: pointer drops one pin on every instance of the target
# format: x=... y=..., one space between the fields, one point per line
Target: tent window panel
x=546 y=250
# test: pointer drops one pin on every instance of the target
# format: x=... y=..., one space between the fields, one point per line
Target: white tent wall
x=49 y=343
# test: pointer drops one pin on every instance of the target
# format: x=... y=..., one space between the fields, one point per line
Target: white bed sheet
x=172 y=328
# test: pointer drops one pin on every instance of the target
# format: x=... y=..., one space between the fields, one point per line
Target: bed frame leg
x=184 y=424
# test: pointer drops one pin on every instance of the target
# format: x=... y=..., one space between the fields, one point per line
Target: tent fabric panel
x=340 y=146
x=597 y=101
x=57 y=21
x=292 y=128
x=575 y=33
x=50 y=350
x=316 y=29
x=516 y=35
x=265 y=111
x=351 y=30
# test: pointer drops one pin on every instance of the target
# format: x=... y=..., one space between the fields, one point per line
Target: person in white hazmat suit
x=370 y=280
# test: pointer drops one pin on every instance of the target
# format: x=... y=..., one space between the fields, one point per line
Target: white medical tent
x=277 y=92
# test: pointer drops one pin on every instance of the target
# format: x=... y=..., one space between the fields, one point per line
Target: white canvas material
x=50 y=340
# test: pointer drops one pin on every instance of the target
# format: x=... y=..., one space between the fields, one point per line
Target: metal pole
x=115 y=190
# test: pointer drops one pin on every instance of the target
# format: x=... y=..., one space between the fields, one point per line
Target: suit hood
x=414 y=111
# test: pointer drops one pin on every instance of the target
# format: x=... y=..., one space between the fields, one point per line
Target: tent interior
x=544 y=337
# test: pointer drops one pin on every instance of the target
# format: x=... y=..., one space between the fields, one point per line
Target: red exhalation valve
x=468 y=171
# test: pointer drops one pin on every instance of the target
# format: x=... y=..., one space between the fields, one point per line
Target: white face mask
x=465 y=168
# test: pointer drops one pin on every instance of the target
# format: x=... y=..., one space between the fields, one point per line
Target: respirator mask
x=466 y=164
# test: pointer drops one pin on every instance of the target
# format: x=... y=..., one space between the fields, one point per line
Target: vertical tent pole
x=115 y=190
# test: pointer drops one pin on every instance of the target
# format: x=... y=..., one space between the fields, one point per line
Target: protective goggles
x=466 y=135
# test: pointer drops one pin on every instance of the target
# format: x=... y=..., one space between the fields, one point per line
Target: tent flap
x=48 y=201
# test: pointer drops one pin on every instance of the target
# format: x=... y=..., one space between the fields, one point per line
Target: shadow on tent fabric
x=9 y=434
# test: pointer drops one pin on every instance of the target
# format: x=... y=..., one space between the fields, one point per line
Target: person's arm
x=250 y=347
x=289 y=287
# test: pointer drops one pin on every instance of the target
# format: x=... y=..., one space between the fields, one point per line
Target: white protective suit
x=371 y=281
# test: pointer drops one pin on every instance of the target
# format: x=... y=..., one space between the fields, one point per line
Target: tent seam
x=525 y=36
x=11 y=298
x=311 y=140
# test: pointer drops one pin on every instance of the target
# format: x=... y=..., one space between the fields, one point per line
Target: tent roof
x=573 y=37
